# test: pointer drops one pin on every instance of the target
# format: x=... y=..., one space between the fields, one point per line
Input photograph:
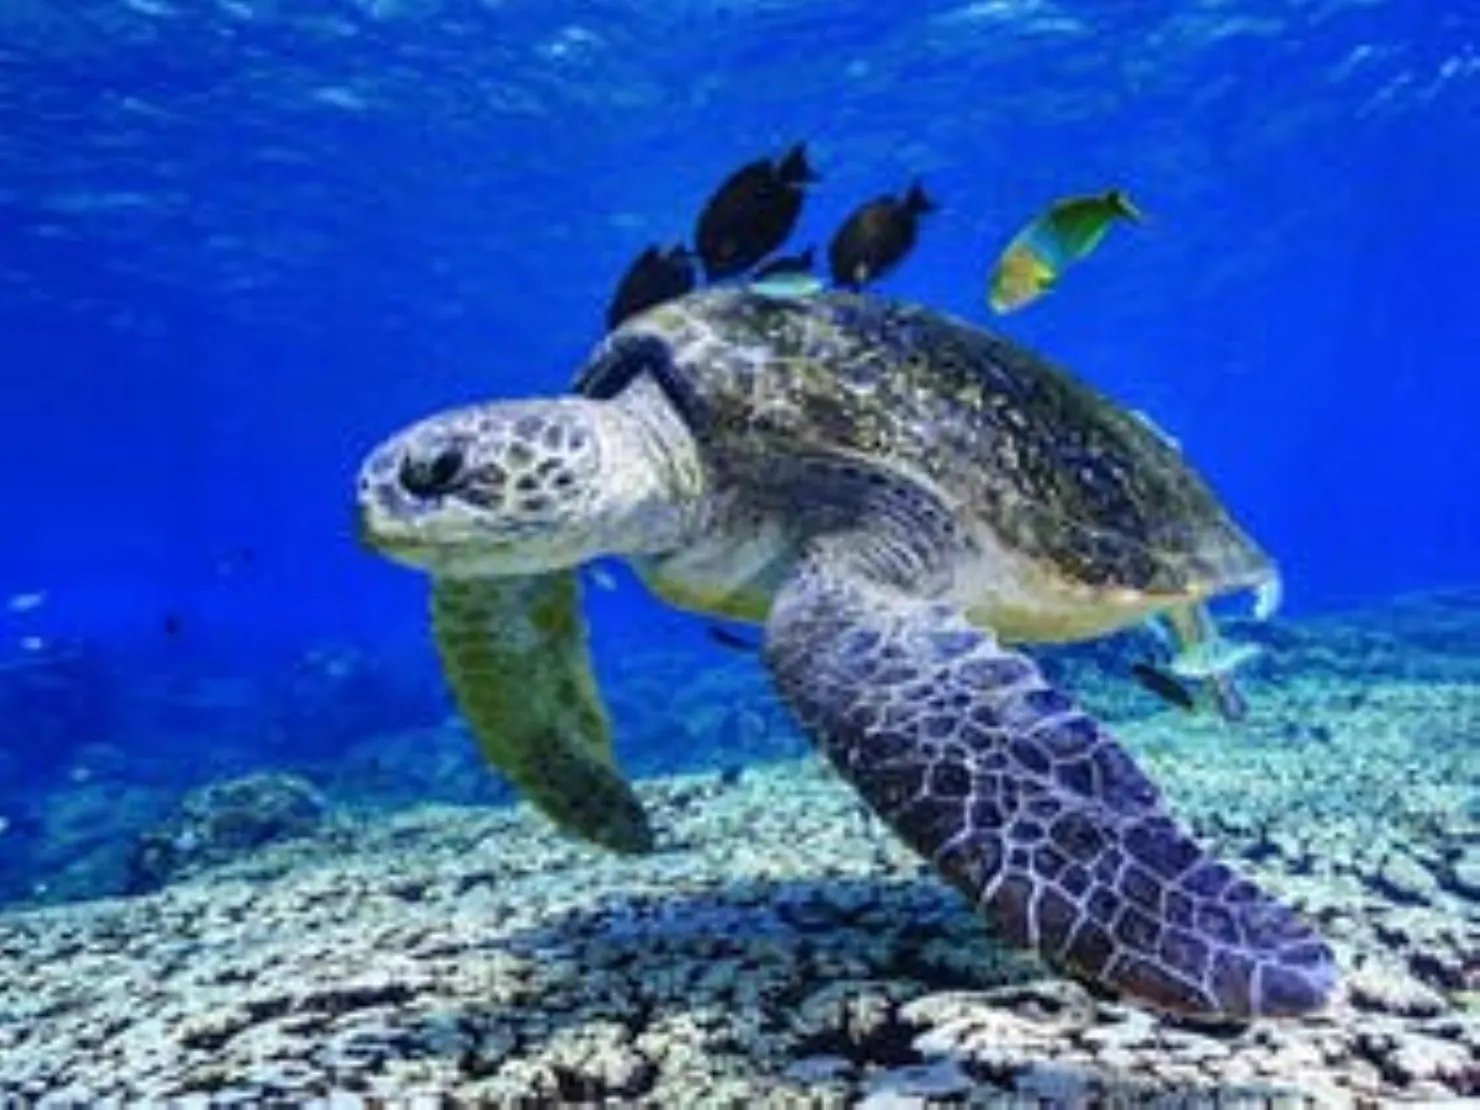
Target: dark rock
x=224 y=820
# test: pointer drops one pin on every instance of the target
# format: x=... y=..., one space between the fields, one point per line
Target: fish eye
x=423 y=477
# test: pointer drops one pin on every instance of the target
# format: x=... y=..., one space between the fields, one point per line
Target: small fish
x=33 y=644
x=1213 y=658
x=1204 y=658
x=752 y=213
x=1163 y=685
x=1038 y=255
x=654 y=277
x=173 y=624
x=789 y=287
x=24 y=603
x=876 y=237
x=726 y=638
x=788 y=277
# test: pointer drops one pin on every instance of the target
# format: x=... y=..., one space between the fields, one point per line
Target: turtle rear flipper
x=514 y=651
x=1021 y=800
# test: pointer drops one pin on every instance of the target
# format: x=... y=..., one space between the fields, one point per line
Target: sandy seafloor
x=780 y=949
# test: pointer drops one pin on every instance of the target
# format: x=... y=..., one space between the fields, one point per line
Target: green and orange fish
x=1038 y=254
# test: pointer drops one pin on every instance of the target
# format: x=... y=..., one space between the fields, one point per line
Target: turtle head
x=513 y=488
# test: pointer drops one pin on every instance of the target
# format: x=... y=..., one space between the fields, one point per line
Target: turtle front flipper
x=1022 y=801
x=514 y=651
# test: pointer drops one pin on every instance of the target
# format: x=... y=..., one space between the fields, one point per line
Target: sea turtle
x=896 y=496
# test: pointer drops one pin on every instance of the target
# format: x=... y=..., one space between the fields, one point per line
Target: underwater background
x=241 y=242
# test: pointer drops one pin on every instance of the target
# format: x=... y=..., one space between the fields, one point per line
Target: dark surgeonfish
x=752 y=213
x=877 y=237
x=654 y=277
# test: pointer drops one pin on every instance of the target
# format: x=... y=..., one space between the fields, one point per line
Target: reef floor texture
x=779 y=950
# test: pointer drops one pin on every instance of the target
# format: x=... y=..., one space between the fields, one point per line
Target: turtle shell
x=1060 y=474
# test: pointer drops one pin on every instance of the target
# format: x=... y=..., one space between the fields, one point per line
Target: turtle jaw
x=472 y=556
x=451 y=539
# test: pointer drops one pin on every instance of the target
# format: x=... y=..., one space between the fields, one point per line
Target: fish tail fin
x=1121 y=204
x=917 y=201
x=794 y=169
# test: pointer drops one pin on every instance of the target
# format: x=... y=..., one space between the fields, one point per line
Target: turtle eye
x=429 y=477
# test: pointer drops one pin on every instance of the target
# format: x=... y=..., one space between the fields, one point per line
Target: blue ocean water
x=243 y=241
x=240 y=242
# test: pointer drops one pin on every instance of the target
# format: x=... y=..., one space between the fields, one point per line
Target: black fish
x=725 y=638
x=751 y=213
x=1163 y=685
x=787 y=265
x=876 y=237
x=654 y=277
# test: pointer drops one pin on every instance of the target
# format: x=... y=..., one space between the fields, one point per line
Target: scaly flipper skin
x=1023 y=802
x=514 y=651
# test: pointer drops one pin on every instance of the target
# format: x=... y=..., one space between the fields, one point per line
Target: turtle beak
x=391 y=535
x=372 y=534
